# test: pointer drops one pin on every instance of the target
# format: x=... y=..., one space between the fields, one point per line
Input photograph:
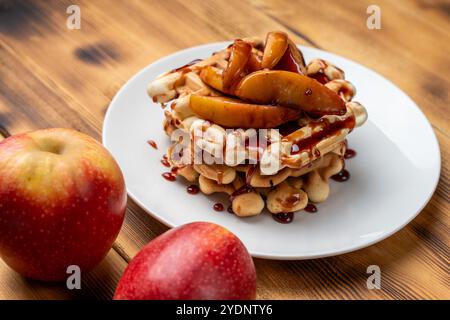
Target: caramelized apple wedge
x=240 y=53
x=213 y=77
x=290 y=89
x=292 y=60
x=276 y=45
x=234 y=113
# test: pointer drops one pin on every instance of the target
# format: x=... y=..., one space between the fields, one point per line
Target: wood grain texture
x=54 y=77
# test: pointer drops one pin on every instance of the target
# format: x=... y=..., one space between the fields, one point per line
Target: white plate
x=392 y=177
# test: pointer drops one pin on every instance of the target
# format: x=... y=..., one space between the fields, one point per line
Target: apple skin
x=196 y=261
x=62 y=202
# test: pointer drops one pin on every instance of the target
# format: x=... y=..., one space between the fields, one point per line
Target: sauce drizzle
x=186 y=68
x=311 y=208
x=153 y=144
x=249 y=174
x=165 y=161
x=328 y=128
x=320 y=76
x=350 y=153
x=193 y=189
x=242 y=190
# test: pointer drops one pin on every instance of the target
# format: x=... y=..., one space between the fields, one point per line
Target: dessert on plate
x=256 y=122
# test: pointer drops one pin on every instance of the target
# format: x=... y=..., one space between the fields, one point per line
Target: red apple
x=62 y=202
x=198 y=261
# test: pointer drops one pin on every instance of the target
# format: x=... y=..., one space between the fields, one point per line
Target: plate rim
x=273 y=256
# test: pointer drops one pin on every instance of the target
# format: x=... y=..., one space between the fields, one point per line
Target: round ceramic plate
x=392 y=177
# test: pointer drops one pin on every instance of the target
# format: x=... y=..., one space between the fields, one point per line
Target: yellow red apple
x=62 y=202
x=198 y=261
x=234 y=113
x=289 y=89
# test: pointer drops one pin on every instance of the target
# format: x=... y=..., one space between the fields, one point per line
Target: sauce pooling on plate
x=311 y=208
x=284 y=217
x=193 y=189
x=218 y=206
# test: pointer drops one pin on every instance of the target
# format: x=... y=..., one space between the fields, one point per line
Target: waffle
x=301 y=151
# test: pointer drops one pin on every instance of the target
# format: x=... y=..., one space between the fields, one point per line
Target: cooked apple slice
x=276 y=45
x=290 y=89
x=234 y=113
x=240 y=53
x=213 y=77
x=292 y=60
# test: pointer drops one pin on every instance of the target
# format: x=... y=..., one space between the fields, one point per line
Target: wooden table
x=51 y=76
